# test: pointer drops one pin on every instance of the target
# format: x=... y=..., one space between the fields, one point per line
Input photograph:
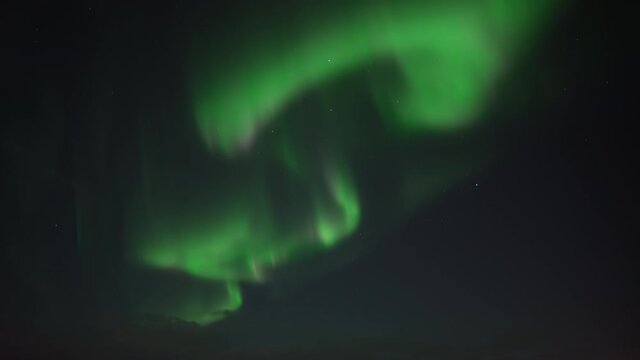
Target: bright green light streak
x=335 y=225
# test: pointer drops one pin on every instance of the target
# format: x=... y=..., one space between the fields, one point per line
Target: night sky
x=318 y=179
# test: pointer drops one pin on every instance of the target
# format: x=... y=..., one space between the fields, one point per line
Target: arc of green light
x=449 y=57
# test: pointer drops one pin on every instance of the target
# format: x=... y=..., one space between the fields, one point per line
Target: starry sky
x=287 y=179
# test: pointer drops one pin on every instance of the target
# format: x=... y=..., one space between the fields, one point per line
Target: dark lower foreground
x=153 y=340
x=374 y=350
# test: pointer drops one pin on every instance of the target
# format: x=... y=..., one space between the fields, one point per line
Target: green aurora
x=281 y=130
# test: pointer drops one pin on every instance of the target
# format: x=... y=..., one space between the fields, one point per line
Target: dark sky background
x=534 y=255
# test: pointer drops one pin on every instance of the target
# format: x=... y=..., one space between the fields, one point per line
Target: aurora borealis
x=431 y=68
x=306 y=179
x=448 y=55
